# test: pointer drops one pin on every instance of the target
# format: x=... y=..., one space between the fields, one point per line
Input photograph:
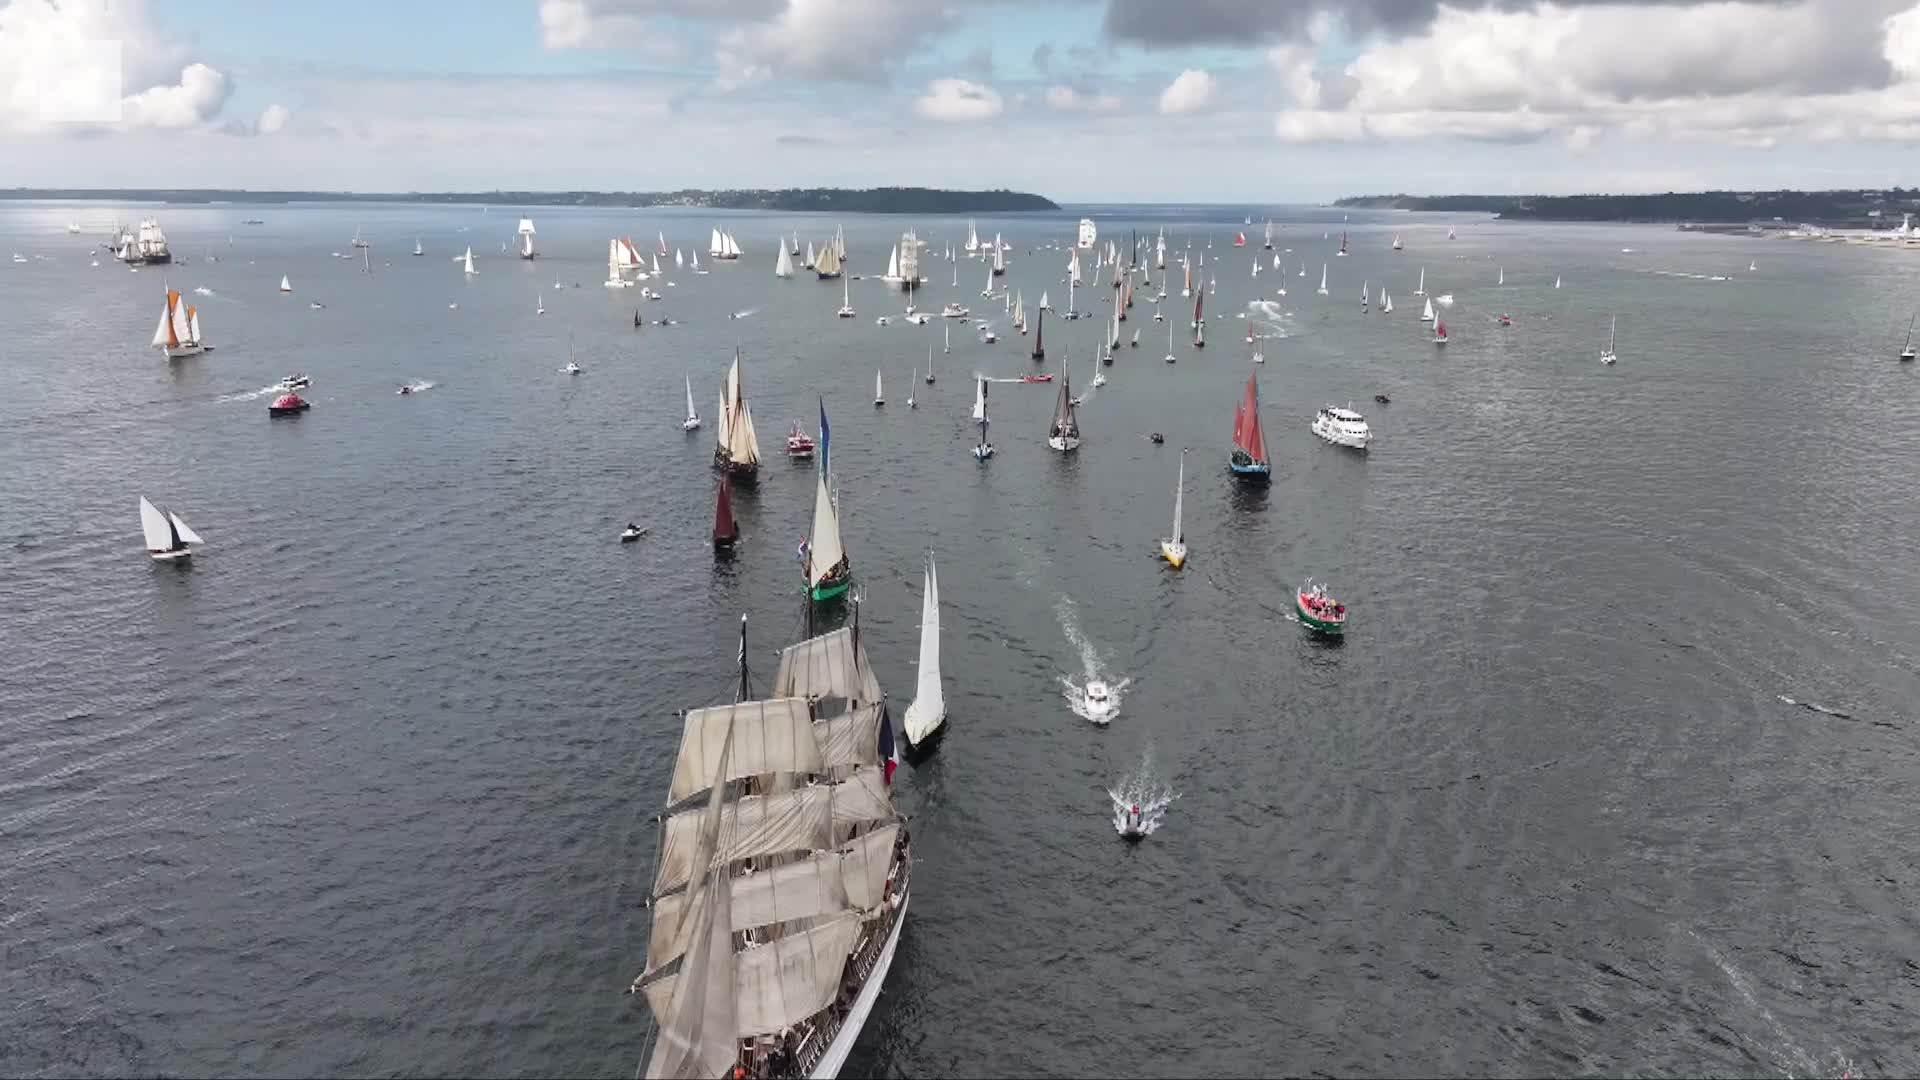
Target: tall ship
x=826 y=265
x=526 y=238
x=783 y=872
x=1088 y=234
x=736 y=448
x=147 y=246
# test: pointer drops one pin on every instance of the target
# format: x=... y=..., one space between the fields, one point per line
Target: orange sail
x=173 y=301
x=1246 y=424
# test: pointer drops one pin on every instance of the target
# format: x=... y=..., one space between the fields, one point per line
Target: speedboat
x=953 y=311
x=799 y=443
x=407 y=389
x=288 y=404
x=983 y=451
x=1504 y=319
x=1133 y=825
x=1342 y=427
x=571 y=368
x=846 y=311
x=987 y=336
x=1045 y=377
x=919 y=318
x=1156 y=438
x=1259 y=358
x=1318 y=610
x=1099 y=702
x=1382 y=398
x=296 y=381
x=631 y=532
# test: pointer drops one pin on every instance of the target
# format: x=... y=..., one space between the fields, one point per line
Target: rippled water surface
x=368 y=787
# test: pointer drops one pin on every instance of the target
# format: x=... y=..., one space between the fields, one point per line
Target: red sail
x=724 y=529
x=1246 y=424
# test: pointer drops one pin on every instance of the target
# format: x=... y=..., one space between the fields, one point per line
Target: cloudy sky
x=1081 y=100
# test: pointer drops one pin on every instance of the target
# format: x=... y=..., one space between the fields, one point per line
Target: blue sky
x=1083 y=100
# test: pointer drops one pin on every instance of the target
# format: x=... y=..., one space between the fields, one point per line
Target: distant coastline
x=1764 y=210
x=886 y=200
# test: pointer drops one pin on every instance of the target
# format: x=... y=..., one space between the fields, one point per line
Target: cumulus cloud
x=1156 y=24
x=605 y=24
x=1739 y=72
x=955 y=100
x=272 y=119
x=1069 y=99
x=71 y=64
x=1190 y=91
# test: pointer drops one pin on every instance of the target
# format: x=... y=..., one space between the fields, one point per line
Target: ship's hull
x=1258 y=472
x=829 y=590
x=830 y=1063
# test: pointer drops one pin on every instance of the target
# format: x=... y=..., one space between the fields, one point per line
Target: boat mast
x=745 y=693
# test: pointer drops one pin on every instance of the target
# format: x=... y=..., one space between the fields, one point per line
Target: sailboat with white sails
x=927 y=717
x=985 y=449
x=166 y=534
x=526 y=238
x=828 y=570
x=783 y=264
x=692 y=422
x=1421 y=289
x=1173 y=548
x=1322 y=290
x=783 y=874
x=1063 y=434
x=467 y=262
x=723 y=248
x=621 y=257
x=1607 y=355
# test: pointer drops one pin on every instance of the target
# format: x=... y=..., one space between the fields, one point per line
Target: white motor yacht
x=1099 y=702
x=1342 y=427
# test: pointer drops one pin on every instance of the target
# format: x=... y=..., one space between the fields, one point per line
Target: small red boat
x=288 y=404
x=1239 y=239
x=1504 y=320
x=799 y=443
x=1048 y=377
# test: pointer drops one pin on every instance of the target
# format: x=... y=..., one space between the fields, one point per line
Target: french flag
x=887 y=754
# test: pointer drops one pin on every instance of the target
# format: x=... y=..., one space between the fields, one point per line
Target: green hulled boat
x=1319 y=611
x=828 y=570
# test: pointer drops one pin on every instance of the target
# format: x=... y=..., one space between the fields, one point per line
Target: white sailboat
x=985 y=449
x=783 y=264
x=540 y=305
x=467 y=262
x=1426 y=312
x=1170 y=357
x=693 y=417
x=927 y=716
x=999 y=256
x=973 y=240
x=620 y=256
x=987 y=289
x=893 y=266
x=1421 y=289
x=1556 y=281
x=879 y=395
x=929 y=365
x=178 y=333
x=526 y=238
x=680 y=258
x=1323 y=280
x=656 y=265
x=166 y=534
x=846 y=300
x=417 y=249
x=1906 y=351
x=946 y=330
x=808 y=264
x=285 y=285
x=1607 y=355
x=1386 y=302
x=912 y=374
x=1503 y=276
x=1173 y=547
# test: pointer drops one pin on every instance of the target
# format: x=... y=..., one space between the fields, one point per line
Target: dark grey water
x=367 y=788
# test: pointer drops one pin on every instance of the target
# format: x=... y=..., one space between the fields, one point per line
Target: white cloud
x=65 y=64
x=1067 y=99
x=1190 y=91
x=272 y=119
x=955 y=100
x=1740 y=73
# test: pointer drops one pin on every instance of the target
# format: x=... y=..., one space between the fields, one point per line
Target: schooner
x=782 y=878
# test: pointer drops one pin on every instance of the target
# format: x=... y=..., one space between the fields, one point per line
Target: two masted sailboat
x=736 y=448
x=782 y=878
x=824 y=561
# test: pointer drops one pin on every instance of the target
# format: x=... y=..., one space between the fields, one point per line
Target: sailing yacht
x=1269 y=241
x=828 y=570
x=1396 y=242
x=357 y=240
x=1323 y=279
x=285 y=285
x=1040 y=334
x=692 y=422
x=468 y=262
x=930 y=363
x=783 y=264
x=1249 y=459
x=1426 y=312
x=1173 y=548
x=726 y=531
x=1556 y=281
x=540 y=305
x=620 y=257
x=973 y=240
x=526 y=238
x=1421 y=289
x=1343 y=244
x=1064 y=433
x=167 y=535
x=783 y=874
x=178 y=333
x=999 y=256
x=736 y=448
x=723 y=248
x=1607 y=355
x=985 y=449
x=846 y=301
x=1170 y=357
x=926 y=718
x=1439 y=331
x=1386 y=302
x=417 y=249
x=1906 y=351
x=879 y=395
x=1503 y=276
